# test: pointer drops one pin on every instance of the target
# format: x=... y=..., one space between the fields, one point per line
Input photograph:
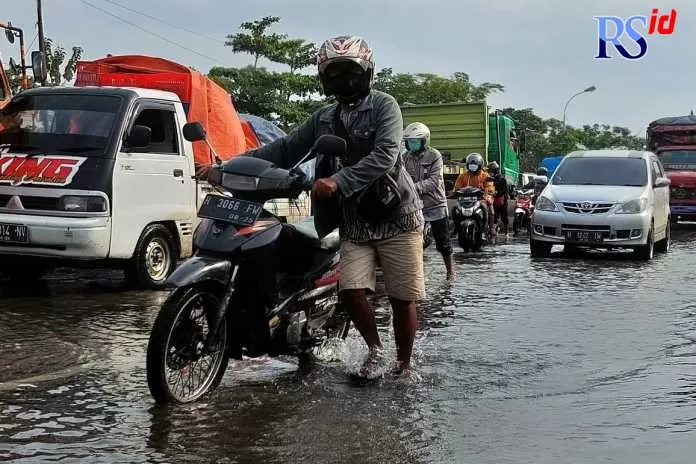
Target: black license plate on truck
x=232 y=210
x=584 y=236
x=14 y=233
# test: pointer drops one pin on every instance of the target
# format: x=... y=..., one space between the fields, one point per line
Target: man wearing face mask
x=424 y=163
x=371 y=123
x=476 y=176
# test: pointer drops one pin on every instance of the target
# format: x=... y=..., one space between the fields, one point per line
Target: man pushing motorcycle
x=371 y=123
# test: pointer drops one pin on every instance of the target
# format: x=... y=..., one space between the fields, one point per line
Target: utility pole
x=42 y=47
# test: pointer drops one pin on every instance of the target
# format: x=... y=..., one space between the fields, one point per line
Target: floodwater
x=519 y=361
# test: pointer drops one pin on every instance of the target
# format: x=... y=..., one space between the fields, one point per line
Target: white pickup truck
x=99 y=176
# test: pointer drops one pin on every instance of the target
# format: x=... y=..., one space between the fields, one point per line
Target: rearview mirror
x=194 y=131
x=661 y=182
x=330 y=145
x=139 y=137
x=9 y=33
x=38 y=66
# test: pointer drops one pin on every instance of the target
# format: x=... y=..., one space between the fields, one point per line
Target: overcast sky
x=540 y=50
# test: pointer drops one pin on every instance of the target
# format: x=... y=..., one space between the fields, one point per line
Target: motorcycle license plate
x=231 y=210
x=584 y=236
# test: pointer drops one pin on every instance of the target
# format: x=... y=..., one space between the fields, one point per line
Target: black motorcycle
x=254 y=281
x=470 y=218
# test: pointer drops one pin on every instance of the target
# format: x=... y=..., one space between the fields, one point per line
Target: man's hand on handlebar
x=324 y=188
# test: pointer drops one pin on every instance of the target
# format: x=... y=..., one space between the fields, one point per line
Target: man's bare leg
x=362 y=316
x=405 y=320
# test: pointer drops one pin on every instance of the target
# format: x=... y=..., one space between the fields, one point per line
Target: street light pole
x=591 y=88
x=42 y=44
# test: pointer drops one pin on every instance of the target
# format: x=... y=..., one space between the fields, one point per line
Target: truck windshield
x=42 y=124
x=680 y=159
x=631 y=172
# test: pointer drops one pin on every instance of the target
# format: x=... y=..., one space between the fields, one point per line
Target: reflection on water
x=519 y=360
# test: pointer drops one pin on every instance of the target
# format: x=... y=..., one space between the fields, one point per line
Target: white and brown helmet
x=337 y=59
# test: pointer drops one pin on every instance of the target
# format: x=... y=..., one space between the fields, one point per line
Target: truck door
x=151 y=183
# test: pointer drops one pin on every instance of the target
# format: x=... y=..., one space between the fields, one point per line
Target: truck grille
x=587 y=207
x=32 y=202
x=679 y=193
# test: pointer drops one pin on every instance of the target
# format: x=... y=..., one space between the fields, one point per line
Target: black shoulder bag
x=380 y=200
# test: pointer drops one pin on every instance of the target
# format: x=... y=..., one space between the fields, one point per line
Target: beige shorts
x=401 y=259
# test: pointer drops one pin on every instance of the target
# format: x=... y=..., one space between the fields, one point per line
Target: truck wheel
x=154 y=258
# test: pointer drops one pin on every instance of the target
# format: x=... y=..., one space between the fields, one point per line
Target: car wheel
x=647 y=251
x=665 y=244
x=539 y=249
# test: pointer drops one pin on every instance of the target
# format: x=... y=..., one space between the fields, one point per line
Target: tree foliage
x=59 y=70
x=548 y=137
x=285 y=97
x=423 y=88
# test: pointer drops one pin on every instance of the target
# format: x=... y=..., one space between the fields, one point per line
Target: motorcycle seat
x=306 y=227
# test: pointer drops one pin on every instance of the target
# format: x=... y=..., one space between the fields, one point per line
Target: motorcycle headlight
x=544 y=204
x=633 y=206
x=237 y=182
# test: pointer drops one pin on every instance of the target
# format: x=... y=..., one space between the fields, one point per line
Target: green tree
x=547 y=137
x=254 y=39
x=295 y=53
x=422 y=88
x=284 y=97
x=59 y=70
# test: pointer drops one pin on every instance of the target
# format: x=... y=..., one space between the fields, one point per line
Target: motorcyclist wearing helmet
x=476 y=176
x=424 y=164
x=501 y=196
x=371 y=123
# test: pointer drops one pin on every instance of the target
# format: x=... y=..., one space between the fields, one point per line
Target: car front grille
x=587 y=207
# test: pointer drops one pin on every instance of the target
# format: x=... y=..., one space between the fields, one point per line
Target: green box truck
x=463 y=128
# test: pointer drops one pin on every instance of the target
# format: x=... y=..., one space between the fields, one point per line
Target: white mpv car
x=604 y=199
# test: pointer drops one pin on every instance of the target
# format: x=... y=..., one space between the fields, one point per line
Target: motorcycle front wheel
x=179 y=369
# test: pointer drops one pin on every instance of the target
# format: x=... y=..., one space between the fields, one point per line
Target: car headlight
x=544 y=204
x=633 y=206
x=82 y=204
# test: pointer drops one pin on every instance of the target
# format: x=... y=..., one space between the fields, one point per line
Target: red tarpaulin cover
x=204 y=100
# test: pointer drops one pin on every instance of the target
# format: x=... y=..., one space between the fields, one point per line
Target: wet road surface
x=519 y=361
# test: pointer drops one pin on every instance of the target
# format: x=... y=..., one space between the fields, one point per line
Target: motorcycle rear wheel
x=176 y=344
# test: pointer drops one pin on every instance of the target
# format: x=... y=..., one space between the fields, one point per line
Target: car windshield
x=43 y=124
x=681 y=159
x=601 y=171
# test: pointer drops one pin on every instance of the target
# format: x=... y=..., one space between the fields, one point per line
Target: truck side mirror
x=194 y=131
x=139 y=137
x=38 y=66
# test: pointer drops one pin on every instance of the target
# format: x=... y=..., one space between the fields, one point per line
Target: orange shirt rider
x=480 y=179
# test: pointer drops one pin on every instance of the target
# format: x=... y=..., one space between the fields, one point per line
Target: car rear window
x=602 y=171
